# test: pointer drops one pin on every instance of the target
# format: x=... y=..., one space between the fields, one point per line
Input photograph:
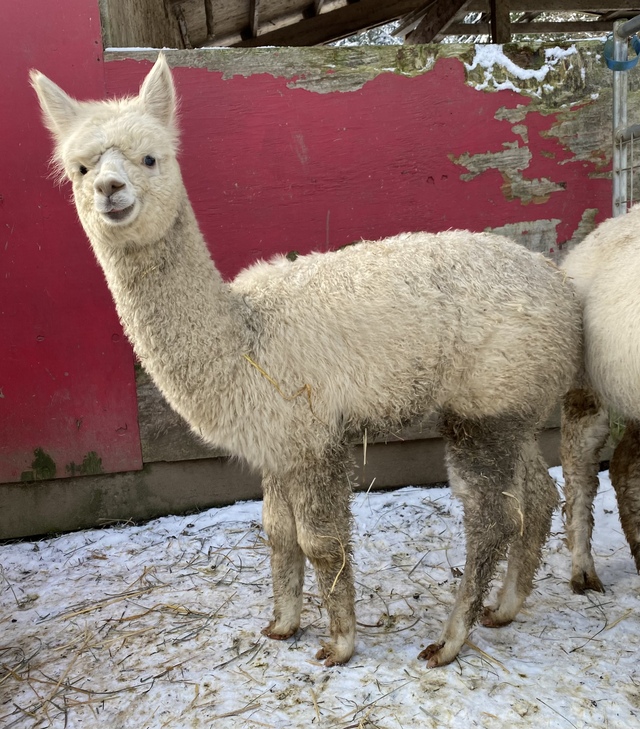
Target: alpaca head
x=120 y=157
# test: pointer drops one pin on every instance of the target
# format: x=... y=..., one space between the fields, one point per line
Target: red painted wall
x=66 y=372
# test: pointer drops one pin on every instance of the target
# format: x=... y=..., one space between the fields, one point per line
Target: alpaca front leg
x=625 y=477
x=585 y=427
x=287 y=560
x=532 y=508
x=323 y=521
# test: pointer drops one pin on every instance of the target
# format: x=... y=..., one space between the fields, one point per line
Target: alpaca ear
x=59 y=110
x=157 y=93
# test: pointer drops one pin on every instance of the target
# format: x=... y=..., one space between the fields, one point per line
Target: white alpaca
x=605 y=269
x=284 y=364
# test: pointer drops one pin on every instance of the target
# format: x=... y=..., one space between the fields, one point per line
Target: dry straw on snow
x=157 y=626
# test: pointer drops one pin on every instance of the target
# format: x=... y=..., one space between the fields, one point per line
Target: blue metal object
x=621 y=65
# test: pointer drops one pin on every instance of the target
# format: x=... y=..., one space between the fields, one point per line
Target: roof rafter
x=333 y=24
x=254 y=17
x=500 y=21
x=557 y=6
x=197 y=23
x=436 y=17
x=576 y=26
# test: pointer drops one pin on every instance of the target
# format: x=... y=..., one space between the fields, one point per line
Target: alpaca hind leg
x=585 y=427
x=287 y=560
x=535 y=505
x=481 y=458
x=323 y=522
x=625 y=477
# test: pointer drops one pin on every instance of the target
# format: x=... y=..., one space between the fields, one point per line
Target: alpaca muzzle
x=113 y=196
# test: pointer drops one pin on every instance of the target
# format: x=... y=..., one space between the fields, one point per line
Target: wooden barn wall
x=283 y=150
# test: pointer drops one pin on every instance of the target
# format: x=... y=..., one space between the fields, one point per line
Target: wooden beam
x=438 y=16
x=576 y=26
x=208 y=13
x=254 y=17
x=182 y=25
x=333 y=25
x=558 y=6
x=411 y=20
x=528 y=17
x=500 y=21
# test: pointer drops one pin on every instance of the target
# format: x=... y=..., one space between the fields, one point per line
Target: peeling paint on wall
x=586 y=225
x=507 y=161
x=536 y=70
x=522 y=131
x=421 y=141
x=513 y=115
x=538 y=191
x=320 y=70
x=510 y=162
x=541 y=236
x=536 y=235
x=587 y=135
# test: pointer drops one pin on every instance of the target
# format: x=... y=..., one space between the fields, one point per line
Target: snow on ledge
x=490 y=56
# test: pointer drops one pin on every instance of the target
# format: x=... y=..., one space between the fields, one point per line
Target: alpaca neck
x=184 y=322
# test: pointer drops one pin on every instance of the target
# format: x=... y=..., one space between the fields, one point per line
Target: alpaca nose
x=108 y=185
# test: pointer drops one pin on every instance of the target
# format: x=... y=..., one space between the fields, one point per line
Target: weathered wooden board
x=67 y=393
x=186 y=486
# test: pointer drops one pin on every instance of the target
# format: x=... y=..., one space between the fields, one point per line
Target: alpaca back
x=605 y=269
x=384 y=330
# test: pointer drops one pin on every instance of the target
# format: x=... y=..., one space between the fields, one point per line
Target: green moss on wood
x=91 y=466
x=43 y=467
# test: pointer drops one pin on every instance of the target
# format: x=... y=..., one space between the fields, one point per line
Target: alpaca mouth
x=117 y=216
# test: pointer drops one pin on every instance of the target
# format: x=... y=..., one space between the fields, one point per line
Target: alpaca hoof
x=271 y=632
x=584 y=581
x=331 y=655
x=635 y=551
x=490 y=619
x=436 y=655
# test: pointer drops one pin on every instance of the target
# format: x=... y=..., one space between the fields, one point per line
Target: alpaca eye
x=83 y=170
x=149 y=161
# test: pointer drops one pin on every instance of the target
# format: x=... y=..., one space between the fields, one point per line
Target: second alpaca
x=605 y=269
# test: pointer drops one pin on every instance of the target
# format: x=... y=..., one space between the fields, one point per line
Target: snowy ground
x=144 y=627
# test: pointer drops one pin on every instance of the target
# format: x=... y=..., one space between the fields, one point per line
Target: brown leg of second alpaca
x=625 y=477
x=585 y=427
